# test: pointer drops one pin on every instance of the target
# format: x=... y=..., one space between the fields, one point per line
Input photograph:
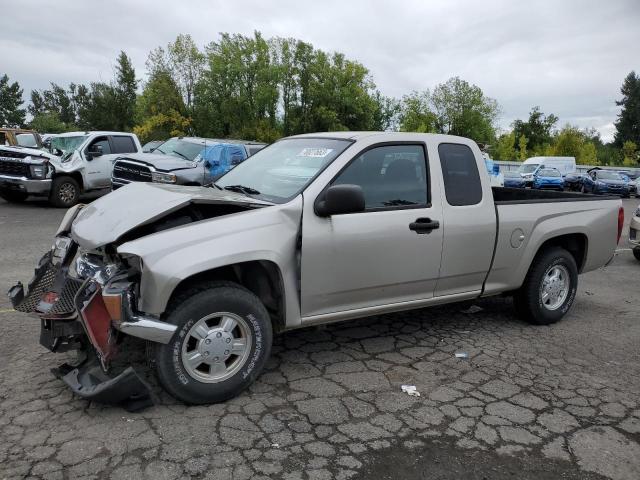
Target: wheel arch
x=575 y=243
x=262 y=277
x=75 y=175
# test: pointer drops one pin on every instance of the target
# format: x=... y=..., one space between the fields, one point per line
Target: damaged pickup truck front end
x=86 y=294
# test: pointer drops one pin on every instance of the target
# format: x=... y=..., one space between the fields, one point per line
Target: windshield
x=67 y=144
x=602 y=175
x=528 y=168
x=282 y=170
x=547 y=172
x=181 y=149
x=27 y=140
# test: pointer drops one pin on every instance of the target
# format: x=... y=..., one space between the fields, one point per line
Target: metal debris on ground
x=462 y=355
x=472 y=309
x=411 y=390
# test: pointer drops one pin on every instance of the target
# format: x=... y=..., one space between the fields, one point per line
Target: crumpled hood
x=32 y=152
x=108 y=218
x=162 y=162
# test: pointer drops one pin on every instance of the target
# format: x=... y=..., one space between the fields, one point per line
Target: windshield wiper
x=182 y=155
x=242 y=189
x=215 y=185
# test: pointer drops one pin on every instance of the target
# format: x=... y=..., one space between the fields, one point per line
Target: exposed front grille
x=131 y=172
x=64 y=305
x=13 y=168
x=11 y=154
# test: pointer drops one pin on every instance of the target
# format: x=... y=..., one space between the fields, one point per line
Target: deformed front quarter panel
x=171 y=256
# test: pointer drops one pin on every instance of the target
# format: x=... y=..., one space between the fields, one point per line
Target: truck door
x=97 y=169
x=470 y=230
x=389 y=253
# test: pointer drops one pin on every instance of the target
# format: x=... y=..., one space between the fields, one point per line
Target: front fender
x=171 y=256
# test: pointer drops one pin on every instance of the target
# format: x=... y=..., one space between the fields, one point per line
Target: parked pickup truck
x=183 y=161
x=313 y=229
x=79 y=162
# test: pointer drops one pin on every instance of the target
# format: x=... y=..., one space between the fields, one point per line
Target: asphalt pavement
x=529 y=402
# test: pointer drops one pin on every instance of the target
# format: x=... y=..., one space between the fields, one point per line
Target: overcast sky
x=568 y=57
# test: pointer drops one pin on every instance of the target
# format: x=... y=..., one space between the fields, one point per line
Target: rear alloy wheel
x=222 y=343
x=12 y=196
x=549 y=288
x=65 y=192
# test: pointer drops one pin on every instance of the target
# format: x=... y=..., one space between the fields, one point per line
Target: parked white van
x=566 y=165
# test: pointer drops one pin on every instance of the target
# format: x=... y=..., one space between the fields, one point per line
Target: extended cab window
x=460 y=171
x=123 y=144
x=390 y=176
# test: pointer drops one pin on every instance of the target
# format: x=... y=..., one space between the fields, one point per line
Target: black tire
x=194 y=305
x=636 y=253
x=65 y=192
x=528 y=299
x=12 y=196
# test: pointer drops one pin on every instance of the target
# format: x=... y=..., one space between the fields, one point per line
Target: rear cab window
x=123 y=144
x=462 y=184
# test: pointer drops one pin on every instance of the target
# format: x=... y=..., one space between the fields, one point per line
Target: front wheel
x=65 y=192
x=549 y=288
x=12 y=196
x=222 y=343
x=636 y=253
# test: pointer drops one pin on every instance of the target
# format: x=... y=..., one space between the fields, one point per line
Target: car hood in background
x=161 y=161
x=612 y=182
x=108 y=218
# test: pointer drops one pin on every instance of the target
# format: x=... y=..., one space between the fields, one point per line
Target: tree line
x=259 y=88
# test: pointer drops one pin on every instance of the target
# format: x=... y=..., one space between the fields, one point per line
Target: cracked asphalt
x=528 y=402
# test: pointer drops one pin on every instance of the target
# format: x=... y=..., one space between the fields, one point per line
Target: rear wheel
x=13 y=196
x=636 y=253
x=222 y=343
x=549 y=288
x=65 y=192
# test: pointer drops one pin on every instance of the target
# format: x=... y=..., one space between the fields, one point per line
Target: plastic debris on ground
x=411 y=390
x=472 y=309
x=462 y=355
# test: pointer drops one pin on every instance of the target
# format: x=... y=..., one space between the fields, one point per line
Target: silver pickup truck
x=313 y=229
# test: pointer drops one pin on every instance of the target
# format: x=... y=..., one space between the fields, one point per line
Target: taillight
x=620 y=223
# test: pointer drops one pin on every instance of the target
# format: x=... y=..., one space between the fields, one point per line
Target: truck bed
x=509 y=196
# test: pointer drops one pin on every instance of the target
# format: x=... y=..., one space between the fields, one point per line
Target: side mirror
x=207 y=164
x=94 y=151
x=340 y=199
x=57 y=152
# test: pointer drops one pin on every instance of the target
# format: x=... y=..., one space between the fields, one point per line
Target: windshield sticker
x=315 y=152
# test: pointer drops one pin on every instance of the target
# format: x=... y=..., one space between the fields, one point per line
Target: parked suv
x=183 y=161
x=79 y=162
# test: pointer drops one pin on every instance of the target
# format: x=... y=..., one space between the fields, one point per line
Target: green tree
x=522 y=147
x=628 y=123
x=124 y=93
x=630 y=154
x=416 y=114
x=572 y=142
x=462 y=109
x=503 y=149
x=11 y=115
x=49 y=122
x=538 y=129
x=187 y=63
x=160 y=110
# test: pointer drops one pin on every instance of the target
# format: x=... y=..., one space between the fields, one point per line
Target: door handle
x=424 y=225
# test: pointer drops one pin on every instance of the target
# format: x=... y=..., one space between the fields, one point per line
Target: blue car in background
x=548 y=178
x=514 y=180
x=605 y=182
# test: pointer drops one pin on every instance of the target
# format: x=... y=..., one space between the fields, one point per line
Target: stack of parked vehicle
x=71 y=164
